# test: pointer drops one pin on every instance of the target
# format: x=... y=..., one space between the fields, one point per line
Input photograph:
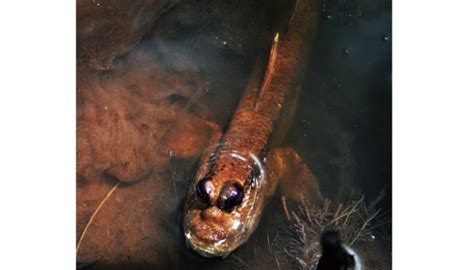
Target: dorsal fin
x=267 y=79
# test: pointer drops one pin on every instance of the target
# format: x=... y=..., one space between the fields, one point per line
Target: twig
x=268 y=244
x=285 y=208
x=363 y=227
x=277 y=262
x=240 y=260
x=346 y=213
x=94 y=214
x=306 y=210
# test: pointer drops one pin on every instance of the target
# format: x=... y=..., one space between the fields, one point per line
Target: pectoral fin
x=189 y=137
x=296 y=181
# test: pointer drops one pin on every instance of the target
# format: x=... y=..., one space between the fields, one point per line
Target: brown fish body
x=231 y=186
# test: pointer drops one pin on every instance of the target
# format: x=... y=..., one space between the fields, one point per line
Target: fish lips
x=211 y=238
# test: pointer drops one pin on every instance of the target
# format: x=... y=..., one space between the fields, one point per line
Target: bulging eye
x=230 y=196
x=202 y=190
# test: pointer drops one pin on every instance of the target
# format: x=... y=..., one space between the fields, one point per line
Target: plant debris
x=300 y=243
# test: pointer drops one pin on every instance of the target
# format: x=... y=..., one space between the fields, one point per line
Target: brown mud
x=147 y=98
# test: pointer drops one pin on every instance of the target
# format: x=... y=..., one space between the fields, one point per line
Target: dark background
x=343 y=125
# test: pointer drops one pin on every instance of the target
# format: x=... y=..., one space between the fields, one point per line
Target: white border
x=37 y=134
x=433 y=134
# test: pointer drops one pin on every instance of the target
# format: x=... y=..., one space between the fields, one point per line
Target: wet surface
x=157 y=84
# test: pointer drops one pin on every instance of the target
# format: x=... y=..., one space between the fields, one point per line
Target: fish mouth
x=213 y=238
x=219 y=248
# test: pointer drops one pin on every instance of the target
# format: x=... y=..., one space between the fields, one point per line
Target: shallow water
x=137 y=77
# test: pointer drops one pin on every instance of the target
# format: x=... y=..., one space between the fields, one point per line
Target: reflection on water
x=157 y=84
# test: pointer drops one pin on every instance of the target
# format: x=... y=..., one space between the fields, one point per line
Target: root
x=300 y=242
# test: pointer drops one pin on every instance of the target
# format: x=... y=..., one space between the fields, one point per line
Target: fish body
x=232 y=184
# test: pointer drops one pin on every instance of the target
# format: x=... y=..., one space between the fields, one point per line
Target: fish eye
x=202 y=190
x=230 y=196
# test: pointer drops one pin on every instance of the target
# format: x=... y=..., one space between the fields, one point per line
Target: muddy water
x=155 y=85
